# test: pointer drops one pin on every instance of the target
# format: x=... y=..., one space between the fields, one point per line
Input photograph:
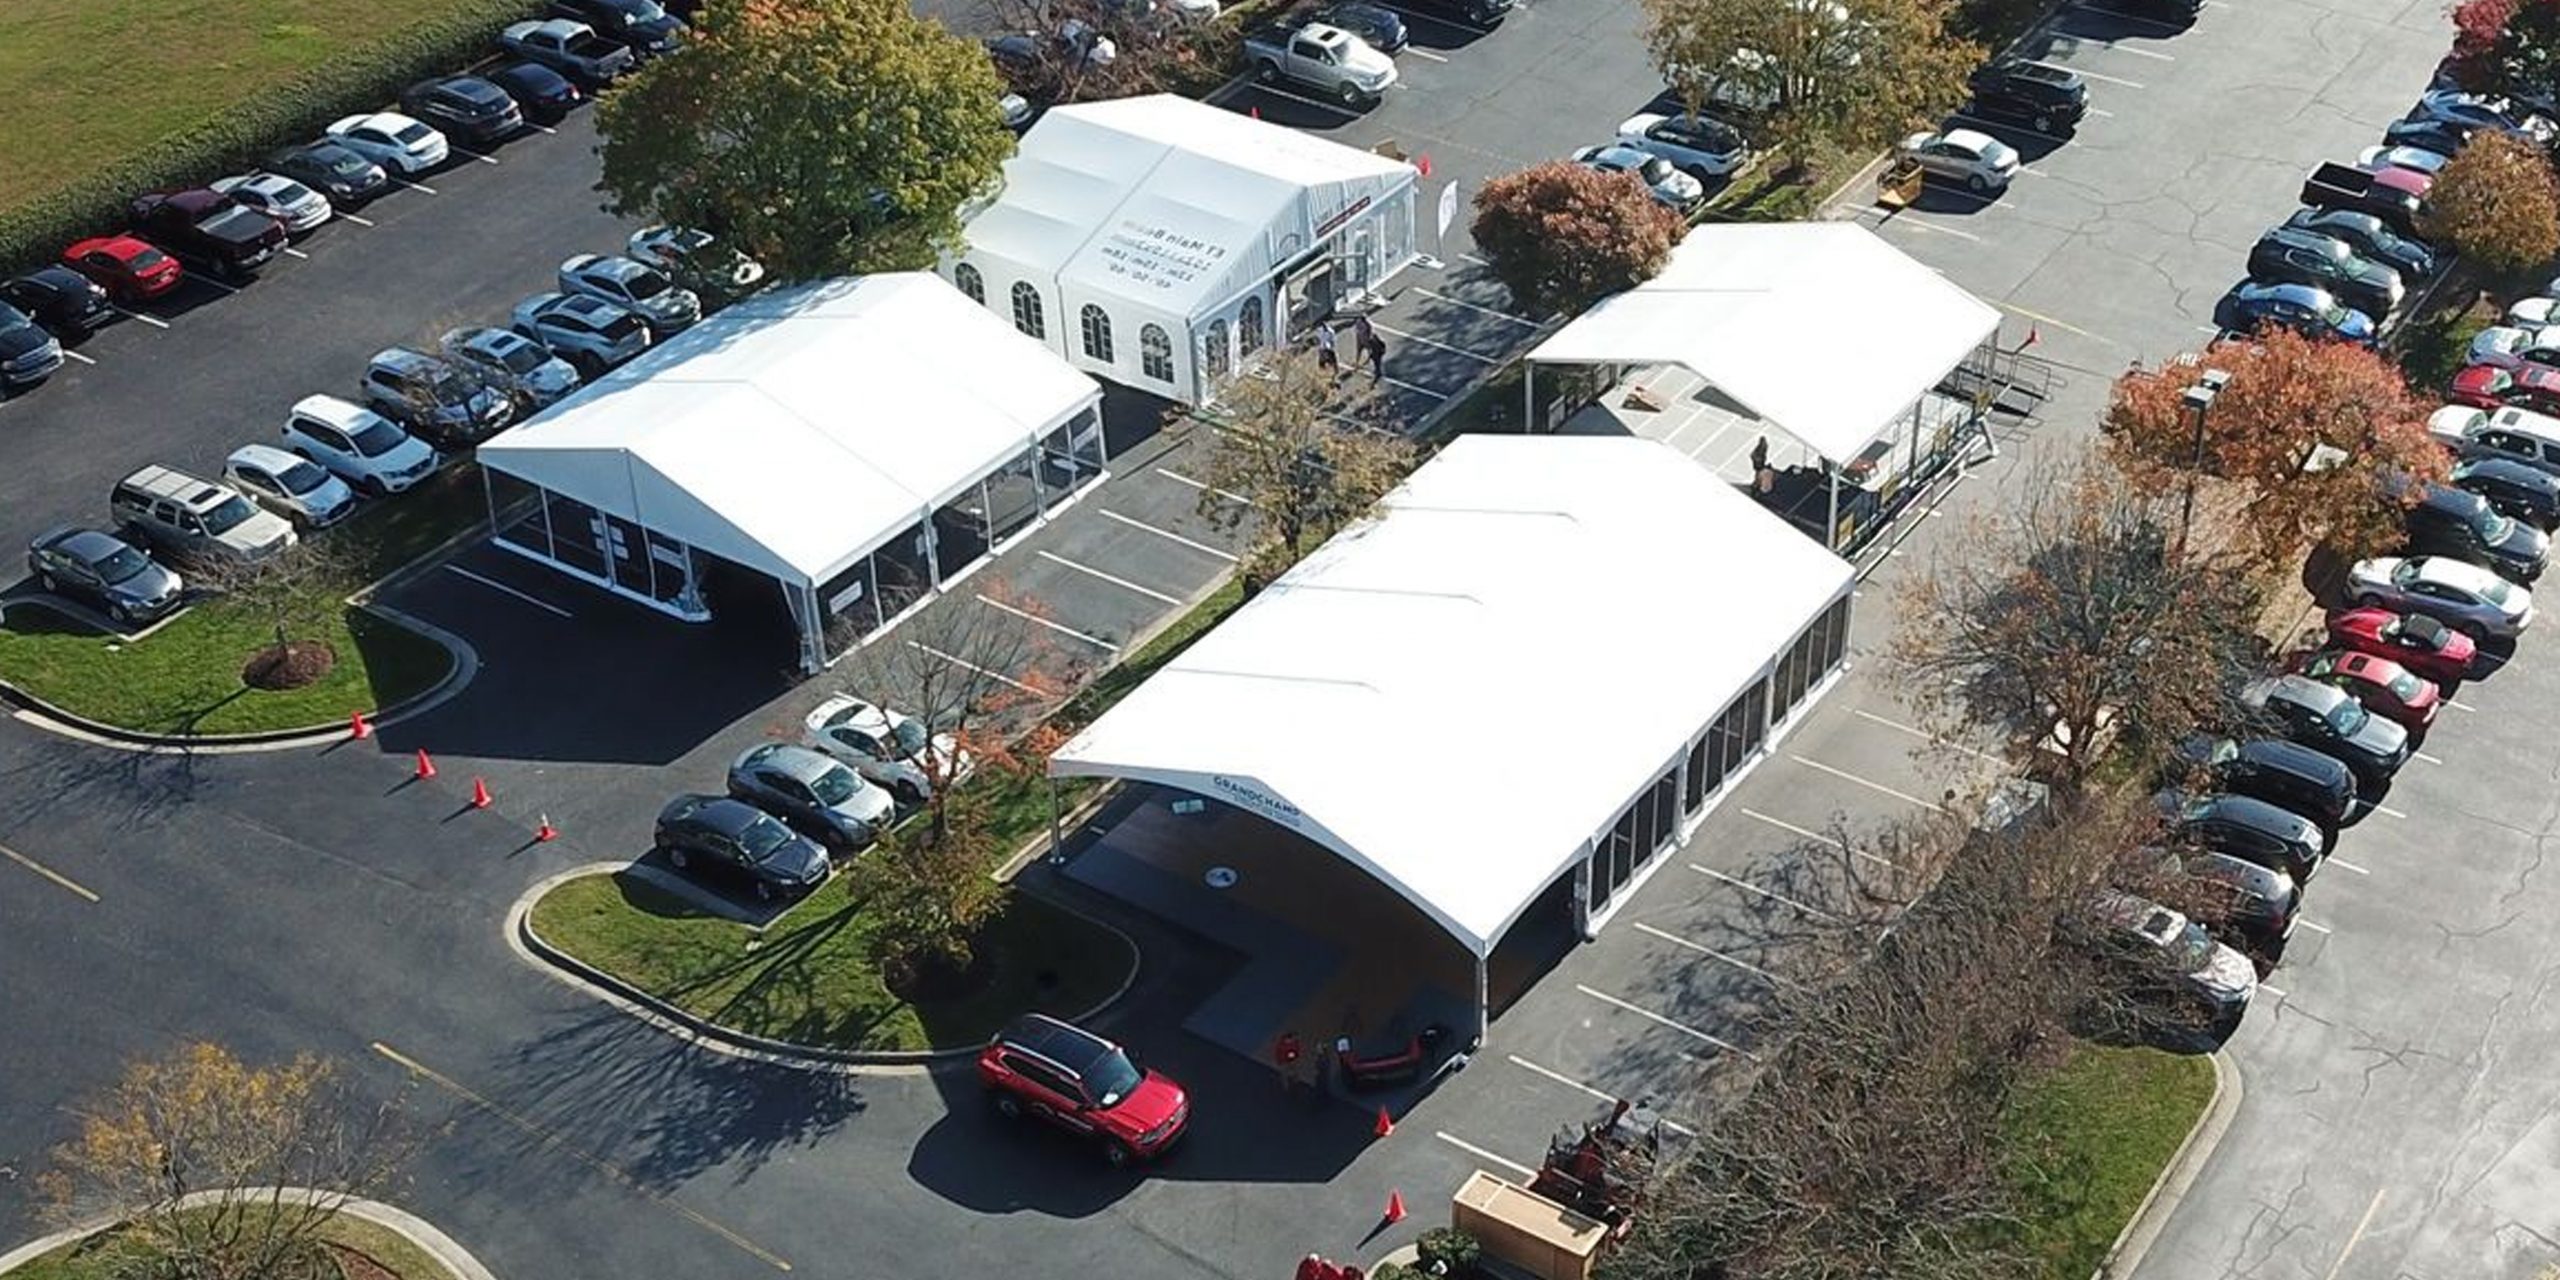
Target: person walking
x=1325 y=357
x=1375 y=348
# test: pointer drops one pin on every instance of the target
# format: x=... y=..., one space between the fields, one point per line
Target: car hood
x=2523 y=542
x=1364 y=60
x=1154 y=1101
x=2380 y=737
x=2449 y=423
x=155 y=583
x=552 y=377
x=871 y=805
x=18 y=340
x=798 y=861
x=2228 y=974
x=261 y=531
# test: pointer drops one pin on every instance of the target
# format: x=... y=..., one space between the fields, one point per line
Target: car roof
x=171 y=483
x=2292 y=688
x=2266 y=882
x=405 y=360
x=1069 y=1046
x=2508 y=471
x=2455 y=573
x=265 y=457
x=1970 y=139
x=91 y=545
x=717 y=813
x=791 y=760
x=486 y=338
x=343 y=415
x=2295 y=758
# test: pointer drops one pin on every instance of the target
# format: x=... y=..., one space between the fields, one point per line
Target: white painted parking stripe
x=413 y=186
x=2424 y=756
x=1902 y=218
x=152 y=320
x=361 y=222
x=1602 y=1094
x=1713 y=954
x=1847 y=776
x=2459 y=706
x=1204 y=486
x=2121 y=47
x=2103 y=79
x=2313 y=925
x=2272 y=989
x=1476 y=260
x=2102 y=113
x=1433 y=342
x=291 y=252
x=1814 y=836
x=226 y=288
x=966 y=665
x=1167 y=534
x=1461 y=302
x=1062 y=629
x=1657 y=1019
x=481 y=157
x=534 y=600
x=1482 y=1154
x=69 y=354
x=1149 y=592
x=1425 y=53
x=1923 y=734
x=1277 y=92
x=2388 y=812
x=539 y=128
x=1748 y=887
x=2344 y=865
x=1417 y=390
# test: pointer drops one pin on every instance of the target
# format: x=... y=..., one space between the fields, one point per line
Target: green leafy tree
x=1814 y=73
x=1293 y=461
x=929 y=891
x=2497 y=204
x=821 y=137
x=1561 y=236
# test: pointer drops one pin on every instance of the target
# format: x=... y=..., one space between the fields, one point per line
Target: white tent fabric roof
x=1458 y=695
x=1752 y=309
x=1171 y=202
x=797 y=430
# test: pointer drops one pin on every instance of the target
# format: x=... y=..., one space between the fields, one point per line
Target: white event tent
x=862 y=442
x=1159 y=242
x=1544 y=656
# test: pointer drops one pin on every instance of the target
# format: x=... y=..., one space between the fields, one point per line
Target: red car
x=2384 y=687
x=2535 y=387
x=2418 y=643
x=1084 y=1084
x=128 y=269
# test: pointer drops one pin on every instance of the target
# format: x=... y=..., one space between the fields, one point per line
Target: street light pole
x=2199 y=398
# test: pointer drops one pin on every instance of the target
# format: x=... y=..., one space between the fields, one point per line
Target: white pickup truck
x=1329 y=60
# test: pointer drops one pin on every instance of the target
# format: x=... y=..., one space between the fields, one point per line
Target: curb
x=416 y=1230
x=703 y=1033
x=1038 y=847
x=2151 y=1217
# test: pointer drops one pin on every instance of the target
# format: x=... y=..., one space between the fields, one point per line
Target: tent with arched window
x=1158 y=241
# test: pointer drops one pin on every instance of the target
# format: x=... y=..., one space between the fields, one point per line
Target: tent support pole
x=1528 y=398
x=1057 y=825
x=1484 y=1004
x=1831 y=525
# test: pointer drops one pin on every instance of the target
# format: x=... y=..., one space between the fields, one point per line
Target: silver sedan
x=812 y=792
x=2463 y=596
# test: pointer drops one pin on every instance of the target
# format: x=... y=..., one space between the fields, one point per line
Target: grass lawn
x=2085 y=1143
x=105 y=1257
x=2433 y=347
x=807 y=980
x=185 y=677
x=1762 y=195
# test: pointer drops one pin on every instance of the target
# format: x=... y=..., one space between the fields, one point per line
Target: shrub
x=1447 y=1251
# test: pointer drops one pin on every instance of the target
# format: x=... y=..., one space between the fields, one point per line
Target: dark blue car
x=2299 y=307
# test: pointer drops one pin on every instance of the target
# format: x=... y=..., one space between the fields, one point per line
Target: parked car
x=633 y=286
x=733 y=839
x=127 y=268
x=394 y=141
x=298 y=207
x=1481 y=13
x=2254 y=906
x=296 y=488
x=2519 y=435
x=2507 y=346
x=1329 y=61
x=2163 y=957
x=2464 y=596
x=2326 y=720
x=2528 y=386
x=1381 y=27
x=467 y=108
x=2442 y=137
x=2285 y=774
x=694 y=259
x=2481 y=111
x=2516 y=489
x=196 y=520
x=2390 y=195
x=29 y=354
x=571 y=48
x=2047 y=99
x=1702 y=146
x=888 y=747
x=642 y=26
x=333 y=169
x=357 y=445
x=2368 y=236
x=2532 y=313
x=523 y=368
x=544 y=95
x=590 y=333
x=1668 y=186
x=2305 y=310
x=2414 y=159
x=2292 y=256
x=2414 y=640
x=1981 y=162
x=2245 y=828
x=2386 y=688
x=1069 y=1077
x=434 y=399
x=205 y=228
x=813 y=792
x=2446 y=521
x=104 y=572
x=68 y=304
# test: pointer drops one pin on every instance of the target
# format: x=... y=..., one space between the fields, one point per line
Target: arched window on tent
x=970 y=282
x=1249 y=335
x=1097 y=332
x=1026 y=310
x=1155 y=352
x=1213 y=350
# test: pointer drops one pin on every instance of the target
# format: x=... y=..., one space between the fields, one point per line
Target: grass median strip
x=2086 y=1141
x=111 y=1255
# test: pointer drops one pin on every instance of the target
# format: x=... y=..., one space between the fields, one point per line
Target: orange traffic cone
x=426 y=767
x=479 y=792
x=357 y=728
x=1395 y=1207
x=1386 y=1124
x=545 y=833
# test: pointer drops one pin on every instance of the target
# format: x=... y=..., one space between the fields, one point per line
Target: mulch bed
x=357 y=1265
x=291 y=667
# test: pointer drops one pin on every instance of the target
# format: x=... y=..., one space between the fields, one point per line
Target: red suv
x=1083 y=1084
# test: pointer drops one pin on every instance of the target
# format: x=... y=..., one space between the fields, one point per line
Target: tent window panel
x=629 y=547
x=1648 y=833
x=1251 y=332
x=1696 y=773
x=1214 y=350
x=1835 y=623
x=1666 y=809
x=970 y=283
x=516 y=505
x=1027 y=315
x=1155 y=352
x=1755 y=718
x=670 y=571
x=1096 y=326
x=960 y=534
x=1622 y=851
x=901 y=572
x=577 y=535
x=850 y=598
x=1013 y=495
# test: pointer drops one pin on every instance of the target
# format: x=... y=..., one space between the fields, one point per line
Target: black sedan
x=105 y=572
x=2330 y=721
x=736 y=840
x=2287 y=775
x=544 y=94
x=28 y=354
x=2253 y=906
x=60 y=299
x=2367 y=235
x=2251 y=830
x=466 y=109
x=333 y=170
x=1381 y=27
x=2519 y=491
x=643 y=26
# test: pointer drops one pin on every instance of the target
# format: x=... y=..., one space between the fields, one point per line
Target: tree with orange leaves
x=2302 y=435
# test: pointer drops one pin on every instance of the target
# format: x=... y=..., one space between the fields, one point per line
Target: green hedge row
x=228 y=140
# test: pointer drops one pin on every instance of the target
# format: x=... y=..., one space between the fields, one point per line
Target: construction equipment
x=1601 y=1170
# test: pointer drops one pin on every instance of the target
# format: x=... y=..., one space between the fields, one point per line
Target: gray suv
x=437 y=400
x=197 y=519
x=593 y=335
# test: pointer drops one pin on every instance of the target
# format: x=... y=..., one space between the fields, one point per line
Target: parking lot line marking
x=492 y=583
x=291 y=252
x=1902 y=218
x=2064 y=325
x=1681 y=1027
x=1277 y=92
x=1461 y=302
x=2313 y=925
x=540 y=128
x=1426 y=53
x=1602 y=1094
x=1087 y=570
x=1710 y=952
x=556 y=1141
x=1061 y=628
x=2103 y=79
x=1815 y=836
x=1748 y=887
x=1433 y=342
x=2388 y=812
x=413 y=186
x=226 y=288
x=1923 y=734
x=2121 y=47
x=361 y=222
x=69 y=354
x=152 y=320
x=966 y=665
x=48 y=873
x=2356 y=1237
x=484 y=159
x=1166 y=534
x=2344 y=865
x=1420 y=391
x=2102 y=113
x=1847 y=776
x=2459 y=706
x=2273 y=989
x=1482 y=1154
x=2421 y=755
x=1204 y=486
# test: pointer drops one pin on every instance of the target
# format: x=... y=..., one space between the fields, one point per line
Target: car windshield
x=414 y=134
x=909 y=738
x=148 y=259
x=343 y=163
x=378 y=438
x=2330 y=313
x=2189 y=948
x=644 y=285
x=2492 y=527
x=621 y=328
x=2404 y=687
x=121 y=565
x=302 y=477
x=523 y=358
x=2496 y=591
x=225 y=518
x=836 y=786
x=764 y=837
x=1112 y=1078
x=2347 y=718
x=645 y=10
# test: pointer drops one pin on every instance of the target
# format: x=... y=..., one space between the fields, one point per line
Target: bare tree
x=195 y=1153
x=1296 y=453
x=295 y=594
x=1063 y=51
